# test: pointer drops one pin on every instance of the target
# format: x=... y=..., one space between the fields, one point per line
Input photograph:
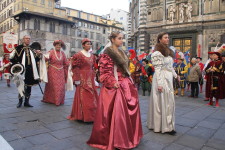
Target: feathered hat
x=132 y=54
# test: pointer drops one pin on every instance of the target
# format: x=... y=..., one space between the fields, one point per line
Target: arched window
x=36 y=24
x=23 y=25
x=64 y=29
x=52 y=27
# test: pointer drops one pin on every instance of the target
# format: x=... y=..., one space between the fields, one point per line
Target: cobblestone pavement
x=45 y=127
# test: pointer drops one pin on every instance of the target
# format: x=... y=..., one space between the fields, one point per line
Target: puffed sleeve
x=106 y=68
x=157 y=62
x=14 y=58
x=76 y=64
x=132 y=67
x=185 y=70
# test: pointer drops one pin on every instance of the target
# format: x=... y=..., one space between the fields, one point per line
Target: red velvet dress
x=117 y=123
x=57 y=70
x=85 y=98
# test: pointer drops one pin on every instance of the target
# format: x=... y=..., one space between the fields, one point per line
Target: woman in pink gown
x=85 y=98
x=57 y=73
x=118 y=122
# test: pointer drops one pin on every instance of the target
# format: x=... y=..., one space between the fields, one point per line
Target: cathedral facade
x=197 y=26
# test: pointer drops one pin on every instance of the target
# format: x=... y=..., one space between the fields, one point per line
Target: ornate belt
x=56 y=67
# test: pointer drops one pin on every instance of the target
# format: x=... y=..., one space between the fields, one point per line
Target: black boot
x=20 y=102
x=26 y=103
x=143 y=93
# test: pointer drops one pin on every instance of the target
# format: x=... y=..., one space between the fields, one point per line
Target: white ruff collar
x=86 y=53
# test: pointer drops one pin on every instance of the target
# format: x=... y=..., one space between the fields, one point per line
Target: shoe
x=26 y=103
x=182 y=92
x=20 y=103
x=172 y=132
x=195 y=96
x=190 y=96
x=8 y=85
x=217 y=103
x=176 y=92
x=206 y=99
x=210 y=103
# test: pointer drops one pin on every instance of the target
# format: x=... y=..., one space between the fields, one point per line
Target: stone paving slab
x=45 y=127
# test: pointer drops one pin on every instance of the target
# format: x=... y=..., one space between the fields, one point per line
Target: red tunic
x=222 y=67
x=85 y=99
x=213 y=80
x=118 y=121
x=6 y=69
x=201 y=65
x=57 y=71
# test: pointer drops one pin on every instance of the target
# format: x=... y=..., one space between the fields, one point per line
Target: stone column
x=142 y=24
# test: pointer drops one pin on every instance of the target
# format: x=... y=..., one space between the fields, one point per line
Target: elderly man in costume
x=28 y=58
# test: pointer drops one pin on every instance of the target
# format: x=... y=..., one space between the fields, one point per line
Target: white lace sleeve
x=158 y=61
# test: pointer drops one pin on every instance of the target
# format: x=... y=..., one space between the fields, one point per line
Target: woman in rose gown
x=117 y=123
x=85 y=99
x=57 y=71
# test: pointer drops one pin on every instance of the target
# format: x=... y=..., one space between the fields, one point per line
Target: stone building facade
x=46 y=21
x=194 y=25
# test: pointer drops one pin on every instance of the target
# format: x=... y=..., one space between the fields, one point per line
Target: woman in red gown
x=117 y=123
x=85 y=99
x=57 y=72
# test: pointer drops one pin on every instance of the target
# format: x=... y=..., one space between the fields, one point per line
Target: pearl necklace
x=57 y=56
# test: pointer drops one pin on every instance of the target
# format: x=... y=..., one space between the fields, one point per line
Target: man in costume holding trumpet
x=28 y=57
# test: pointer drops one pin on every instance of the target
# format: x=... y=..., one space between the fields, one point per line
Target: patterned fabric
x=181 y=70
x=57 y=70
x=85 y=99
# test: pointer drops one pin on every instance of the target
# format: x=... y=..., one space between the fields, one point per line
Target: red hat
x=85 y=40
x=210 y=52
x=132 y=53
x=217 y=53
x=58 y=42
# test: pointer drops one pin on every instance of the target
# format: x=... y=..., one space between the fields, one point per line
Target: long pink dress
x=117 y=123
x=57 y=72
x=85 y=98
